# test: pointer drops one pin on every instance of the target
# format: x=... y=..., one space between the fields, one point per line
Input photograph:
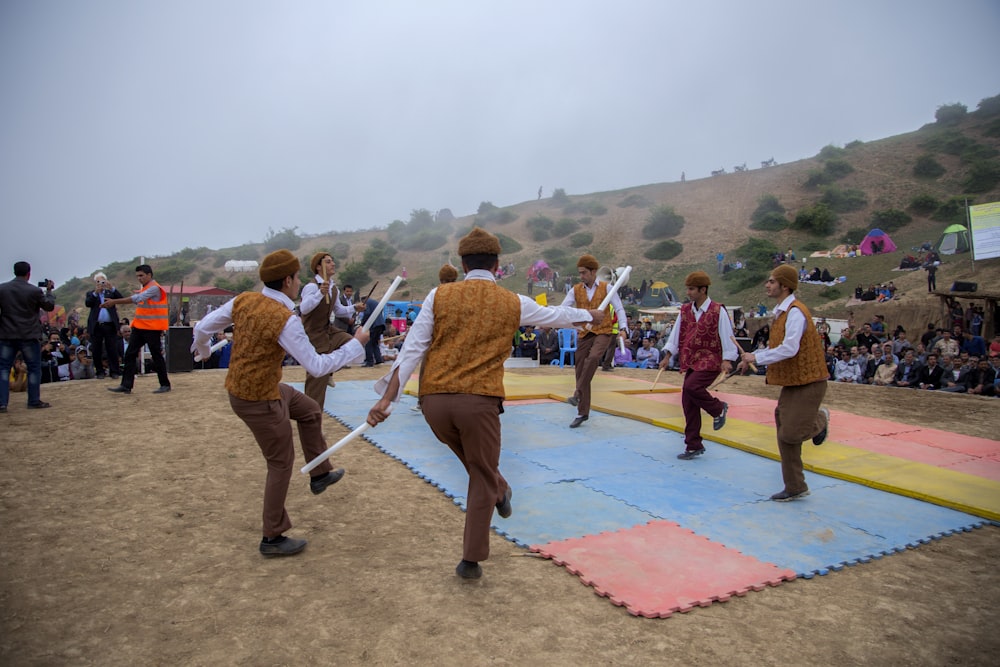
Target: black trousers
x=136 y=341
x=105 y=339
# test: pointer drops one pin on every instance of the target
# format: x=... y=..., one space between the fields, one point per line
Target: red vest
x=698 y=340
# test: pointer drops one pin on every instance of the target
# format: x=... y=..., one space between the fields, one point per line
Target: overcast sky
x=133 y=127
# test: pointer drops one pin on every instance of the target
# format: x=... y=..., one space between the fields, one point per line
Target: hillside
x=717 y=216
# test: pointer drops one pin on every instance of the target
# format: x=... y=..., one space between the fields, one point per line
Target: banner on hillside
x=984 y=219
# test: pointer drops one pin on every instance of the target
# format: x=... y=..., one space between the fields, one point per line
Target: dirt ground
x=132 y=522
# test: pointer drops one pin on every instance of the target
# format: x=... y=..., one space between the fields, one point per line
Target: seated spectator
x=947 y=363
x=885 y=372
x=995 y=345
x=826 y=277
x=947 y=345
x=815 y=275
x=847 y=338
x=19 y=374
x=548 y=346
x=649 y=332
x=974 y=345
x=623 y=356
x=983 y=381
x=528 y=343
x=900 y=343
x=647 y=356
x=867 y=337
x=759 y=339
x=956 y=381
x=931 y=375
x=859 y=292
x=906 y=371
x=82 y=367
x=878 y=326
x=887 y=350
x=930 y=335
x=892 y=289
x=847 y=369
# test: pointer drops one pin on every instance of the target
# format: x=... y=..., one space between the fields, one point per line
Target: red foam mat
x=659 y=568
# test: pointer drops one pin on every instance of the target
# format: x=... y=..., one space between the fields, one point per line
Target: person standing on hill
x=703 y=340
x=21 y=331
x=795 y=362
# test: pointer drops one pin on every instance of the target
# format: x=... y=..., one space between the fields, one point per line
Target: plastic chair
x=567 y=345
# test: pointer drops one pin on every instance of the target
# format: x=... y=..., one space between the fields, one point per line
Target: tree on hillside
x=285 y=239
x=663 y=222
x=950 y=114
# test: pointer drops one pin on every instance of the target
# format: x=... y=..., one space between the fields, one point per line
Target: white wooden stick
x=215 y=348
x=381 y=304
x=340 y=443
x=622 y=279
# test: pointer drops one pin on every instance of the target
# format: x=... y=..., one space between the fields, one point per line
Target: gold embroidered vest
x=255 y=362
x=806 y=367
x=580 y=294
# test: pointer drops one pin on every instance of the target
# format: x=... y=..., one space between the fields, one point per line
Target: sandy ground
x=132 y=522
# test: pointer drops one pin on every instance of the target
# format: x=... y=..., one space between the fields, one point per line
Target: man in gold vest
x=320 y=299
x=461 y=390
x=795 y=362
x=148 y=325
x=592 y=342
x=265 y=328
x=703 y=339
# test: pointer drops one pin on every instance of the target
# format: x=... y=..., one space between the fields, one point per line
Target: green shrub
x=982 y=176
x=830 y=152
x=854 y=144
x=758 y=253
x=837 y=169
x=559 y=197
x=978 y=153
x=636 y=200
x=989 y=106
x=951 y=211
x=245 y=253
x=194 y=254
x=585 y=220
x=285 y=239
x=219 y=261
x=843 y=201
x=890 y=219
x=485 y=207
x=508 y=246
x=816 y=178
x=380 y=256
x=950 y=114
x=423 y=240
x=992 y=128
x=664 y=250
x=950 y=141
x=498 y=216
x=746 y=278
x=340 y=250
x=813 y=246
x=854 y=235
x=559 y=259
x=924 y=204
x=355 y=273
x=205 y=276
x=239 y=285
x=582 y=239
x=830 y=293
x=818 y=220
x=662 y=222
x=172 y=270
x=564 y=228
x=540 y=227
x=538 y=235
x=927 y=167
x=770 y=222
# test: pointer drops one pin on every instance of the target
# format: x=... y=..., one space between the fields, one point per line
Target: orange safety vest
x=151 y=315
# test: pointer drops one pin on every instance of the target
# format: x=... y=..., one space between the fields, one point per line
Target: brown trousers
x=798 y=418
x=590 y=350
x=316 y=387
x=470 y=425
x=270 y=423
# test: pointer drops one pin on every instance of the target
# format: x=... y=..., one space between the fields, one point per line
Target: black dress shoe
x=689 y=454
x=162 y=390
x=576 y=422
x=785 y=496
x=318 y=484
x=820 y=437
x=3 y=409
x=285 y=546
x=39 y=405
x=720 y=421
x=504 y=508
x=573 y=400
x=119 y=389
x=469 y=570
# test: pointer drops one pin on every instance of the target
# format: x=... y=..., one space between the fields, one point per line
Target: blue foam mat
x=614 y=473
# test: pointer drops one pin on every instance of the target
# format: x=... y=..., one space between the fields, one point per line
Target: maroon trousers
x=270 y=423
x=470 y=425
x=590 y=350
x=694 y=399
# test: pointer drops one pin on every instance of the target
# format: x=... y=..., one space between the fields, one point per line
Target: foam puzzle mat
x=611 y=502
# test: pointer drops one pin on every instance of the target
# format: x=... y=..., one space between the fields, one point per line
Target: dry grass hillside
x=717 y=213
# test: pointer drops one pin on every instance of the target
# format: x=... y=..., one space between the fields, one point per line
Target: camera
x=43 y=283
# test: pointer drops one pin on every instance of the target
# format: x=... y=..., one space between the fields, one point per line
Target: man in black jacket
x=102 y=326
x=21 y=330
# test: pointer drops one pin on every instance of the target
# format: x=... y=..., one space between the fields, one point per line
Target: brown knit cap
x=588 y=262
x=316 y=260
x=447 y=274
x=478 y=242
x=786 y=275
x=278 y=265
x=697 y=279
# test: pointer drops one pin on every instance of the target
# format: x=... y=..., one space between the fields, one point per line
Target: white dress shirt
x=293 y=338
x=795 y=326
x=312 y=296
x=616 y=302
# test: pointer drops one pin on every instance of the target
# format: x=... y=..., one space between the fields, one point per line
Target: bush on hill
x=540 y=227
x=508 y=246
x=854 y=235
x=355 y=274
x=564 y=228
x=380 y=256
x=662 y=222
x=770 y=222
x=830 y=152
x=582 y=239
x=924 y=204
x=172 y=270
x=817 y=220
x=559 y=197
x=585 y=207
x=833 y=170
x=636 y=200
x=558 y=258
x=949 y=141
x=843 y=201
x=285 y=239
x=951 y=211
x=982 y=176
x=890 y=219
x=927 y=167
x=239 y=285
x=664 y=250
x=989 y=106
x=950 y=114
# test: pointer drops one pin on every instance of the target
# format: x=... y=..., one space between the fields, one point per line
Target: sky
x=139 y=127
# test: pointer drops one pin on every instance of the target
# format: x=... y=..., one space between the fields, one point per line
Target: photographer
x=102 y=326
x=82 y=366
x=21 y=330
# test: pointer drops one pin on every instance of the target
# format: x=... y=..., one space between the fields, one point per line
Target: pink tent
x=876 y=242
